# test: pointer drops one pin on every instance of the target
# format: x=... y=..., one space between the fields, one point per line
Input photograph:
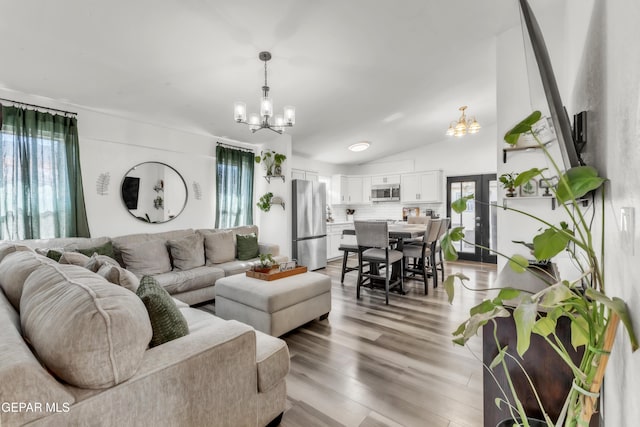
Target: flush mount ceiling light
x=359 y=146
x=462 y=126
x=262 y=121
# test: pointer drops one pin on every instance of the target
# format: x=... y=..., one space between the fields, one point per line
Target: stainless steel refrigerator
x=309 y=223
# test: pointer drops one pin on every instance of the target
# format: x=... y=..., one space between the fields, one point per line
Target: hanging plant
x=272 y=161
x=265 y=202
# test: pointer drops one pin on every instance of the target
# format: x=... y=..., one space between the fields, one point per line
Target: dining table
x=399 y=232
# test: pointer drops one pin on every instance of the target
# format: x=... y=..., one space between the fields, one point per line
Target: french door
x=479 y=220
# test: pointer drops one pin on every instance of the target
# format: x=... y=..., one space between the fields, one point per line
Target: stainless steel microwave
x=385 y=193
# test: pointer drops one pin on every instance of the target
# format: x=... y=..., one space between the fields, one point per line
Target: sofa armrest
x=205 y=378
x=269 y=248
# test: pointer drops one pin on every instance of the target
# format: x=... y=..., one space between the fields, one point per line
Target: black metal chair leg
x=344 y=265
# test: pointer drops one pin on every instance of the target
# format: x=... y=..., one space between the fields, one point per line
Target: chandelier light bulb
x=240 y=112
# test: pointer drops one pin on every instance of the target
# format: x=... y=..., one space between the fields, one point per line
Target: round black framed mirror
x=154 y=192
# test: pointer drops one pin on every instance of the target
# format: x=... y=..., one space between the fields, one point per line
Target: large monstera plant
x=594 y=316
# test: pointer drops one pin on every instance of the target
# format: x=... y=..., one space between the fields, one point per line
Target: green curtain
x=41 y=182
x=234 y=187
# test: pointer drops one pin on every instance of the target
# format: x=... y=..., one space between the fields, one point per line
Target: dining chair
x=439 y=263
x=348 y=246
x=374 y=248
x=419 y=258
x=415 y=220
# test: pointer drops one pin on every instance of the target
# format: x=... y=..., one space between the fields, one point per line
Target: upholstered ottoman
x=274 y=307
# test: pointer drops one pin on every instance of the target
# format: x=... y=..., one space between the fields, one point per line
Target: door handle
x=478 y=218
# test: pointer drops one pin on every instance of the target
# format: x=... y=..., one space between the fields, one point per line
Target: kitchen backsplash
x=384 y=210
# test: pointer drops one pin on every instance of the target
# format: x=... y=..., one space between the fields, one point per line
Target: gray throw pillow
x=96 y=261
x=247 y=245
x=167 y=322
x=146 y=258
x=187 y=252
x=220 y=247
x=74 y=258
x=119 y=276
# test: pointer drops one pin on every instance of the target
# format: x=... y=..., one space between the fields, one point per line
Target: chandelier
x=462 y=126
x=263 y=121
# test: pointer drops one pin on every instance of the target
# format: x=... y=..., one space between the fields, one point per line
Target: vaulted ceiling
x=390 y=72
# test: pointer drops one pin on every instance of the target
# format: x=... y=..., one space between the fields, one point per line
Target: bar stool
x=347 y=246
x=422 y=255
x=374 y=248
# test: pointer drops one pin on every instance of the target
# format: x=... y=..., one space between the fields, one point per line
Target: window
x=40 y=179
x=234 y=187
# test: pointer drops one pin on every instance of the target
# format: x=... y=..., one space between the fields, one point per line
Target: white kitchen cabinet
x=366 y=190
x=346 y=190
x=304 y=174
x=354 y=189
x=385 y=179
x=421 y=187
x=338 y=190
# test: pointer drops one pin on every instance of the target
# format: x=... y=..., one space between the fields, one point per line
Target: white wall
x=599 y=73
x=275 y=225
x=606 y=83
x=519 y=92
x=114 y=144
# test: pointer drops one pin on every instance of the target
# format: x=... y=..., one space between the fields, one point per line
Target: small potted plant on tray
x=266 y=264
x=593 y=315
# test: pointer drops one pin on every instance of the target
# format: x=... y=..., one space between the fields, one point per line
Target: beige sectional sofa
x=74 y=351
x=151 y=254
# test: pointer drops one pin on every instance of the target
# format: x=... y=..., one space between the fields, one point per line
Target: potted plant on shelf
x=272 y=162
x=265 y=202
x=593 y=315
x=266 y=264
x=508 y=183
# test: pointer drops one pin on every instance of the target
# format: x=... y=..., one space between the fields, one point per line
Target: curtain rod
x=235 y=147
x=38 y=106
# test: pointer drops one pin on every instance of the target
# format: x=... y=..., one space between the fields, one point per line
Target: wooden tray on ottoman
x=274 y=275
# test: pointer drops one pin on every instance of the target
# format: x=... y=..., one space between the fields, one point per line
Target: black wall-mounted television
x=561 y=123
x=130 y=188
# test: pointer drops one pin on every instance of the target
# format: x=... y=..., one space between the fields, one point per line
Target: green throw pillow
x=54 y=255
x=247 y=246
x=167 y=322
x=106 y=249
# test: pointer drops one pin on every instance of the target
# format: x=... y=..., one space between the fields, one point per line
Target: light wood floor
x=371 y=365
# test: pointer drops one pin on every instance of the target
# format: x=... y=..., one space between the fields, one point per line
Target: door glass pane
x=466 y=219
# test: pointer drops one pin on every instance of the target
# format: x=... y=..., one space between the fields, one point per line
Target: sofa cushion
x=74 y=258
x=247 y=246
x=105 y=249
x=167 y=321
x=182 y=281
x=14 y=270
x=272 y=357
x=187 y=252
x=22 y=377
x=87 y=331
x=146 y=258
x=9 y=248
x=119 y=276
x=220 y=247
